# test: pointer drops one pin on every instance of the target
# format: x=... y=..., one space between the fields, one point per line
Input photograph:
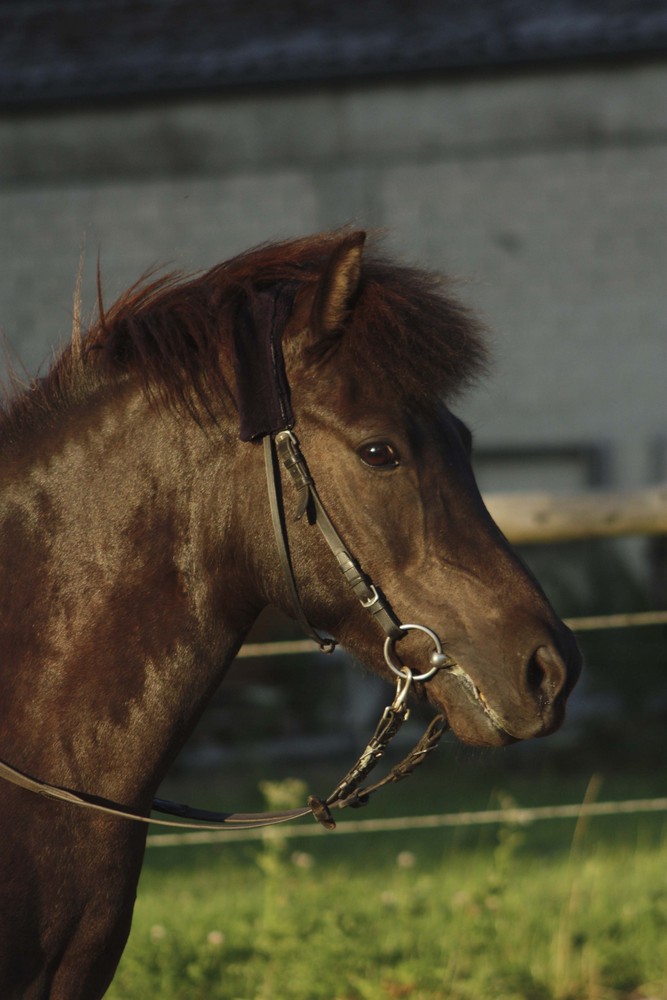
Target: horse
x=137 y=551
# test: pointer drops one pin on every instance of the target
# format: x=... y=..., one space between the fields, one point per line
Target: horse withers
x=138 y=549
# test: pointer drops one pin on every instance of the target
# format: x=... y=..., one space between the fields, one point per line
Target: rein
x=347 y=792
x=284 y=447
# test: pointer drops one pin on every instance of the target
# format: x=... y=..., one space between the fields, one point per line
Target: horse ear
x=337 y=285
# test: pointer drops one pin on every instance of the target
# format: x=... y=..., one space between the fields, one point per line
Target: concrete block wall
x=544 y=192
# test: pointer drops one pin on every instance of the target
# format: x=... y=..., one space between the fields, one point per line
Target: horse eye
x=379 y=455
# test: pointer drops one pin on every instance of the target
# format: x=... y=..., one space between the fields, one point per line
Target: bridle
x=281 y=448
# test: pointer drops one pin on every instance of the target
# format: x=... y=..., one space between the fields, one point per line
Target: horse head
x=372 y=353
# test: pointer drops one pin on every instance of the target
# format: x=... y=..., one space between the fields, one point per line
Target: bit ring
x=438 y=658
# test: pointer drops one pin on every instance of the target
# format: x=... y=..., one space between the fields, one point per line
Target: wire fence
x=510 y=816
x=590 y=623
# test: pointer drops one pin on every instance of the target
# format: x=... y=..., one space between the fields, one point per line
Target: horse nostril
x=534 y=675
x=546 y=674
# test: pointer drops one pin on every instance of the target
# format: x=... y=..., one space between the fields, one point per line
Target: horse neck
x=121 y=601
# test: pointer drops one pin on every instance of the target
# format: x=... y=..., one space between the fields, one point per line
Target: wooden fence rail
x=549 y=517
x=527 y=518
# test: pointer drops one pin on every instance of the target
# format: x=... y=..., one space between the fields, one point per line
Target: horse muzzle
x=484 y=710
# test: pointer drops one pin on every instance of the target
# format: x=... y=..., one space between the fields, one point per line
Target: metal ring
x=399 y=668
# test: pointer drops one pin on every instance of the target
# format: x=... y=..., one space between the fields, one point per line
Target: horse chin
x=468 y=714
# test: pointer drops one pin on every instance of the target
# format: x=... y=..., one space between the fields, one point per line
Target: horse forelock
x=174 y=333
x=411 y=335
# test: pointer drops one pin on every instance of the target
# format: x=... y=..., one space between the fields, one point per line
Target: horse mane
x=174 y=332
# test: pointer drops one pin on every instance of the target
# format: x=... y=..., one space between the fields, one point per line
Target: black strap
x=262 y=389
x=282 y=541
x=221 y=821
x=369 y=596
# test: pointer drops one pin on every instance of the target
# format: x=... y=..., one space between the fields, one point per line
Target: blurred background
x=518 y=146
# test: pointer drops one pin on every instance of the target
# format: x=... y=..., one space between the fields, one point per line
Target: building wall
x=543 y=192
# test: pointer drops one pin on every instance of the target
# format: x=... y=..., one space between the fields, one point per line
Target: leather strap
x=346 y=794
x=273 y=483
x=221 y=821
x=369 y=596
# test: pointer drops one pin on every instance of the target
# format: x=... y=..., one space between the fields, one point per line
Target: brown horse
x=137 y=550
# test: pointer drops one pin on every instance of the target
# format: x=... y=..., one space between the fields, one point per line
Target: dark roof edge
x=159 y=87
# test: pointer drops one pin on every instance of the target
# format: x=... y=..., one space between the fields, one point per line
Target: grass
x=553 y=911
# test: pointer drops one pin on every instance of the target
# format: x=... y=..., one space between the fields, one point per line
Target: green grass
x=553 y=911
